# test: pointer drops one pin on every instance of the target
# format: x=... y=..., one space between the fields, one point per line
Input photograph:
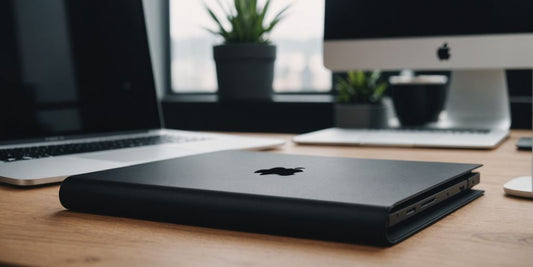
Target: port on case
x=410 y=211
x=426 y=203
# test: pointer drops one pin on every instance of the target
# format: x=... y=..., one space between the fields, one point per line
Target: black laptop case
x=340 y=199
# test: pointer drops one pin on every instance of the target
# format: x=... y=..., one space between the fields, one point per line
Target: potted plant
x=245 y=61
x=359 y=100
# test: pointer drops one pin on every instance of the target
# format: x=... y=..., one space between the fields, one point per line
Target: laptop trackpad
x=139 y=155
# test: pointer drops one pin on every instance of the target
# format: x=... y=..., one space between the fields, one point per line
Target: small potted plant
x=359 y=100
x=245 y=61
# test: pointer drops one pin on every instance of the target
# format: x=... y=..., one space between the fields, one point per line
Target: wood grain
x=494 y=230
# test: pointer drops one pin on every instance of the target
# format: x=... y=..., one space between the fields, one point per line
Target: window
x=299 y=66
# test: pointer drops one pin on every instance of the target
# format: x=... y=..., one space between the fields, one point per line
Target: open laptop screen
x=74 y=67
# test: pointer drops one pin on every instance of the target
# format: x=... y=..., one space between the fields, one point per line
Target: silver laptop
x=77 y=93
x=405 y=137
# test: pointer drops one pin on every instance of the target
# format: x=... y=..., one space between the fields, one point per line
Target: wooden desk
x=494 y=230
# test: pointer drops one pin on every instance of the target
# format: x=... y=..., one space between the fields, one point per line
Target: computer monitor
x=476 y=39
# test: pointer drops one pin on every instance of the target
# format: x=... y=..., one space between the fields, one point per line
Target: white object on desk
x=519 y=187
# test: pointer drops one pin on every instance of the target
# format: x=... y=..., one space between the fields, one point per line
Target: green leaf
x=379 y=91
x=237 y=29
x=247 y=20
x=221 y=27
x=344 y=85
x=280 y=13
x=212 y=31
x=356 y=78
x=238 y=9
x=223 y=7
x=258 y=27
x=271 y=26
x=360 y=87
x=252 y=7
x=264 y=11
x=374 y=76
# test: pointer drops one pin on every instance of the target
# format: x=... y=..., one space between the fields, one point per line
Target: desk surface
x=494 y=230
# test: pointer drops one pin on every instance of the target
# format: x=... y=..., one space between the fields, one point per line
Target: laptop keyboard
x=421 y=130
x=27 y=153
x=410 y=137
x=430 y=130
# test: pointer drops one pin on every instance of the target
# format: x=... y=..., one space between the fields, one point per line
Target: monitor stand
x=477 y=99
x=520 y=186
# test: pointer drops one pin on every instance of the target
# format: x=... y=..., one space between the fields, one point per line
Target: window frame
x=169 y=92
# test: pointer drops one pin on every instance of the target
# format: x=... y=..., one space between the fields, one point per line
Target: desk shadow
x=517 y=198
x=12 y=187
x=6 y=264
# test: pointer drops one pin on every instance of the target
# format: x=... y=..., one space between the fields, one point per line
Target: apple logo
x=280 y=171
x=443 y=53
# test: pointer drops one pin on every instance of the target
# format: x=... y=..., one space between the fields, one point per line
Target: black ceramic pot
x=245 y=72
x=419 y=101
x=361 y=116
